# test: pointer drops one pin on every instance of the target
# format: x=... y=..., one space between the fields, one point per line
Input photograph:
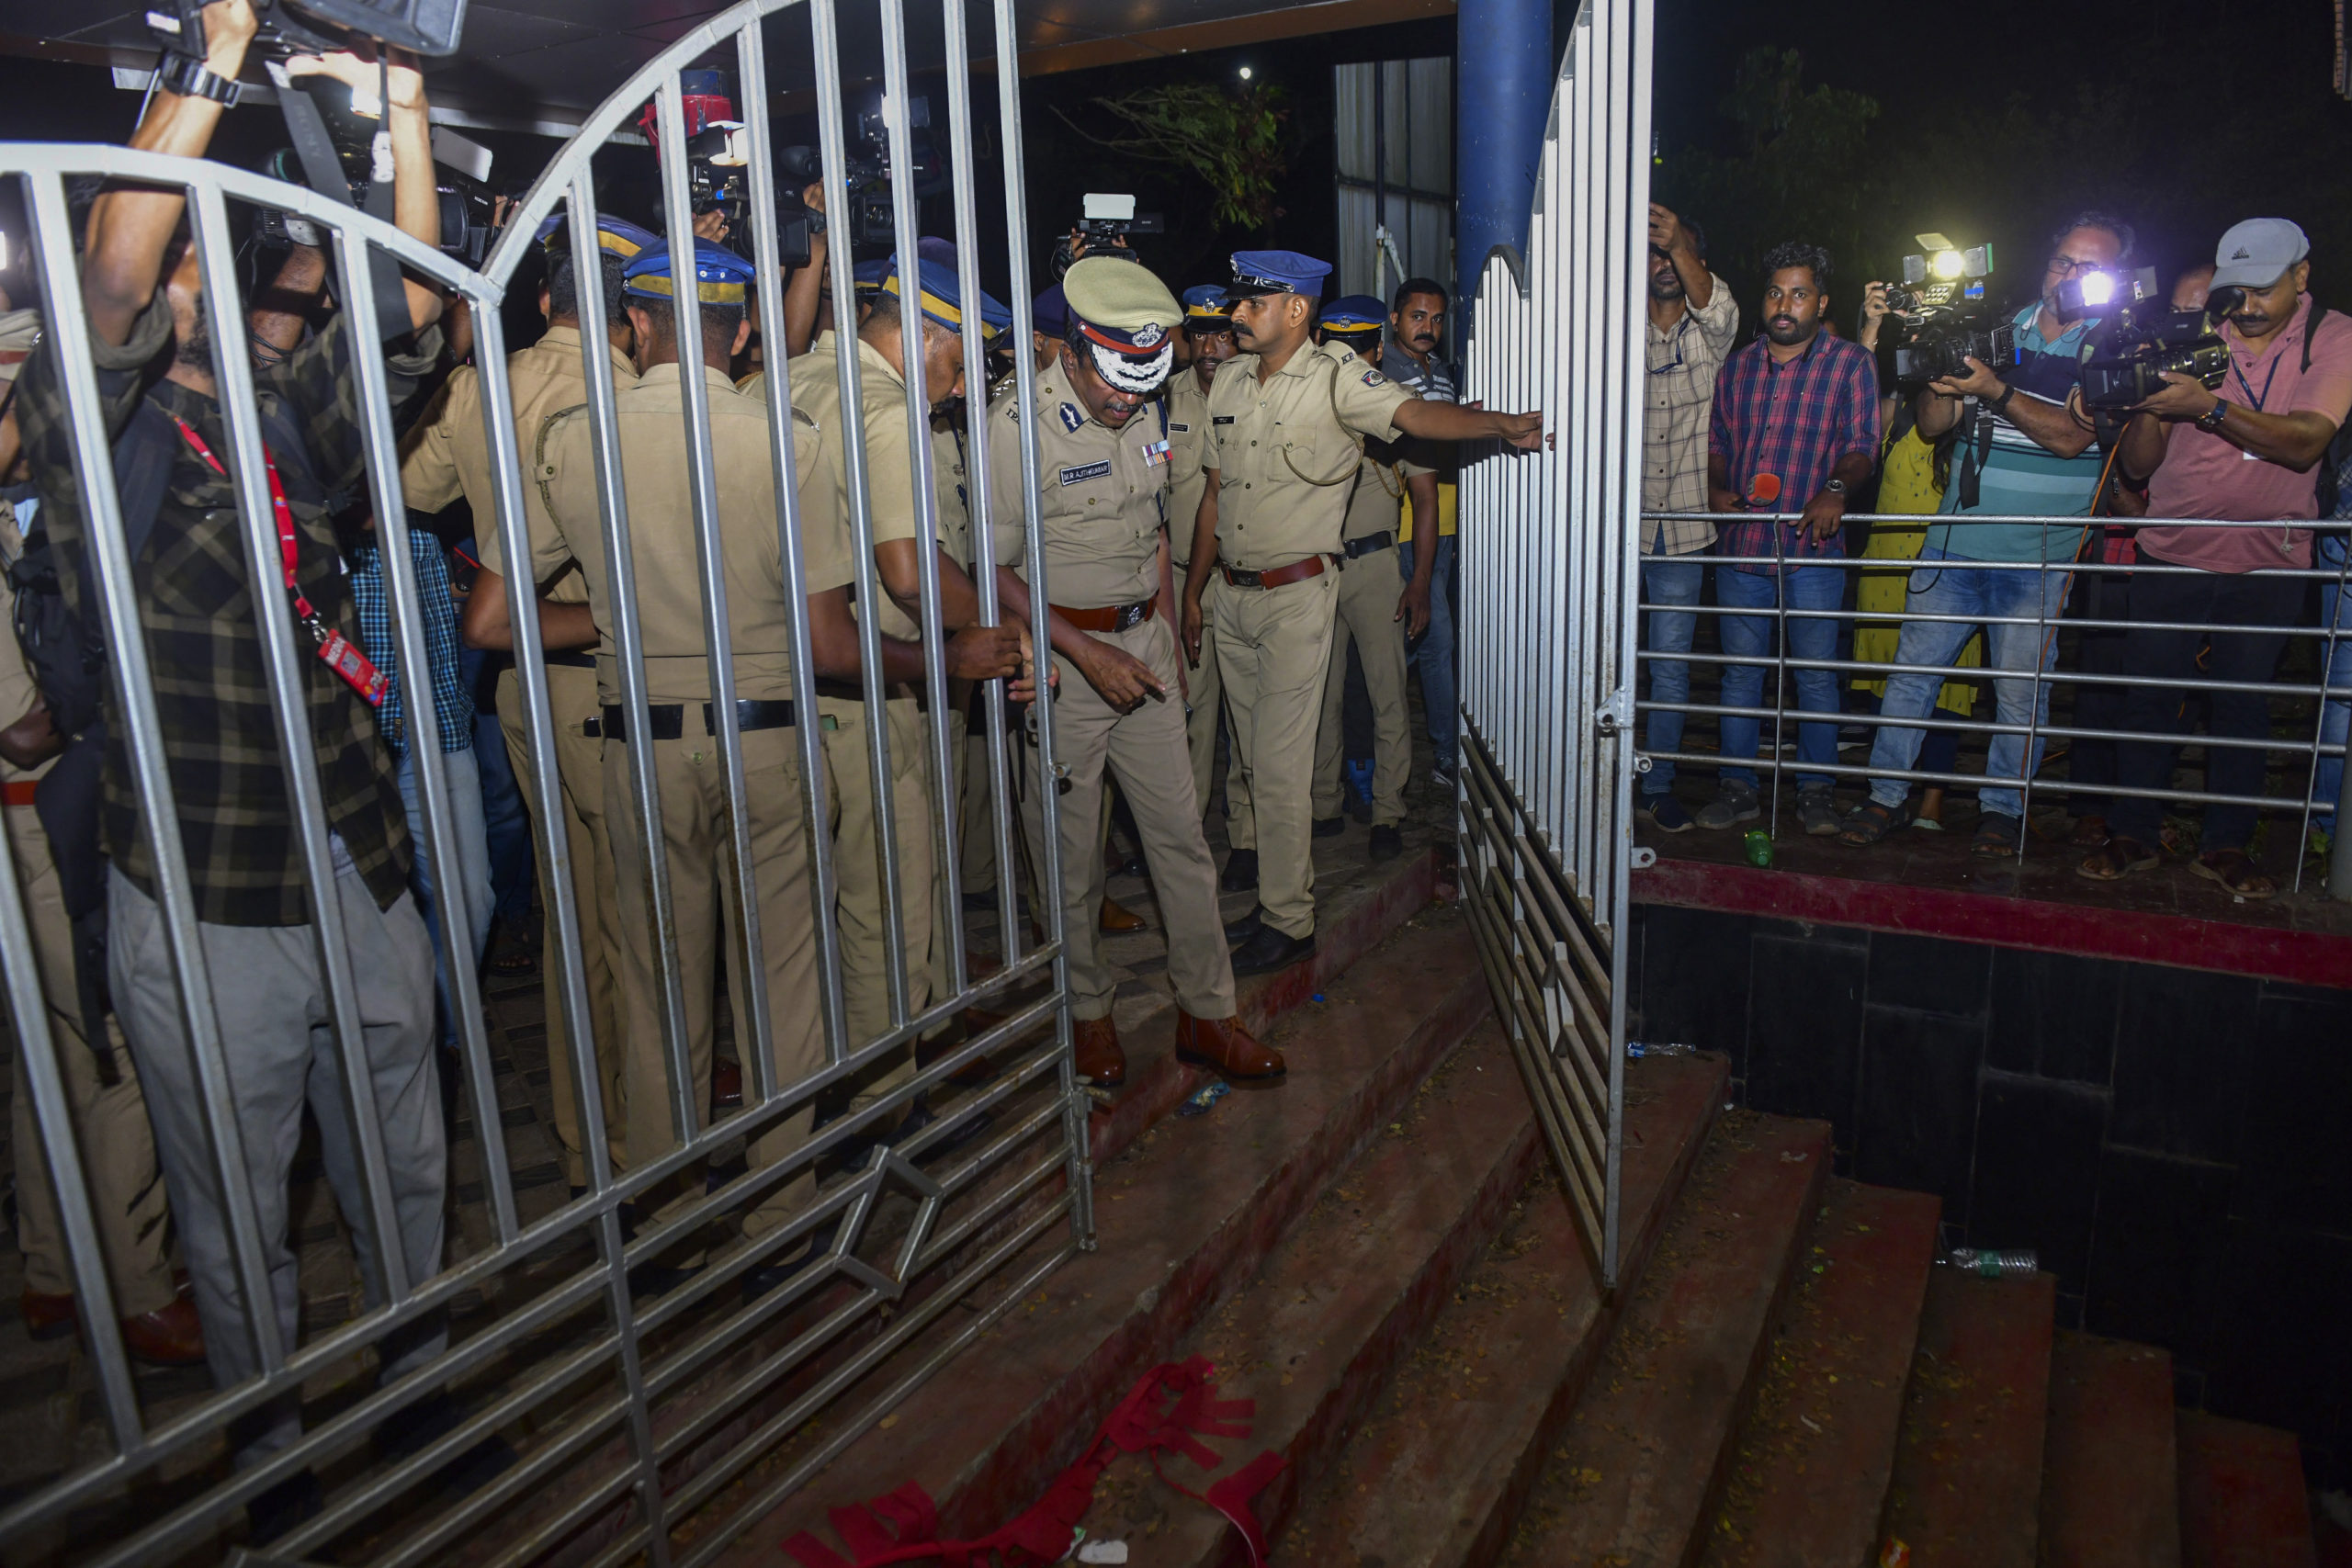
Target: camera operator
x=2249 y=452
x=2018 y=451
x=141 y=295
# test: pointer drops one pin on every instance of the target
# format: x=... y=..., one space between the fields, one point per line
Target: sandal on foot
x=2234 y=870
x=2090 y=833
x=1997 y=835
x=1869 y=825
x=2117 y=859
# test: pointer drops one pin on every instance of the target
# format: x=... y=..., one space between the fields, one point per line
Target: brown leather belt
x=571 y=659
x=1296 y=572
x=1371 y=544
x=1113 y=619
x=18 y=792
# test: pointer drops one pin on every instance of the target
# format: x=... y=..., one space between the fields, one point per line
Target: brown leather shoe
x=1094 y=1048
x=1227 y=1048
x=47 y=1316
x=1117 y=917
x=169 y=1337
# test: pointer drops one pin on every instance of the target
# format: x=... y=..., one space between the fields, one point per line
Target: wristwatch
x=2211 y=420
x=191 y=78
x=1836 y=488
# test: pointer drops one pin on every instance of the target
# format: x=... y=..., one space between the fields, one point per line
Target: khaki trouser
x=1147 y=751
x=975 y=817
x=691 y=776
x=1206 y=695
x=1367 y=618
x=580 y=773
x=1276 y=647
x=111 y=1128
x=857 y=872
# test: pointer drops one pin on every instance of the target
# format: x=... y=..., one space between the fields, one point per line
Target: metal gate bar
x=1549 y=575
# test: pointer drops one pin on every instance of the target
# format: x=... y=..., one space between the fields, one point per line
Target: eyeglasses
x=2067 y=267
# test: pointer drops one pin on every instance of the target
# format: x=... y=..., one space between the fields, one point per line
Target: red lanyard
x=336 y=651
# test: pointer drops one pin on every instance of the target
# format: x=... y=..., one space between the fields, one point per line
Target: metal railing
x=2305 y=754
x=646 y=1425
x=1548 y=574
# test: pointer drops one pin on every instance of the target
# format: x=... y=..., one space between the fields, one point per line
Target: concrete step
x=2242 y=1495
x=1634 y=1478
x=1440 y=1468
x=1809 y=1483
x=1315 y=1338
x=2110 y=1476
x=1184 y=1216
x=1968 y=1471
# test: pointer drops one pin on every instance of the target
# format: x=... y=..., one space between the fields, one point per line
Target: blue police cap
x=939 y=293
x=868 y=275
x=1050 y=312
x=615 y=236
x=1204 y=307
x=721 y=277
x=1276 y=272
x=1353 y=313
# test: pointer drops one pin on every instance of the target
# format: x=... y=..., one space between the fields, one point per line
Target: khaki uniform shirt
x=889 y=459
x=1188 y=439
x=1378 y=500
x=1287 y=451
x=662 y=536
x=1099 y=498
x=445 y=456
x=953 y=486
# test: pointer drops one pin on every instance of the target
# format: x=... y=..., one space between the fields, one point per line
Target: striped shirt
x=2019 y=477
x=453 y=705
x=1679 y=395
x=1794 y=423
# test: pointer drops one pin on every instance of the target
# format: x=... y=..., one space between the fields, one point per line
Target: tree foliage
x=1229 y=138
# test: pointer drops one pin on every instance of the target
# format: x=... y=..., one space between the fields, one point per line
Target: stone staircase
x=1377 y=1255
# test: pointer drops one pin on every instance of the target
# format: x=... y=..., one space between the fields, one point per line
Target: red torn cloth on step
x=903 y=1526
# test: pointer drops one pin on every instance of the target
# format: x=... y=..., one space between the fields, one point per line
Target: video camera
x=288 y=28
x=2140 y=337
x=1110 y=219
x=1946 y=320
x=469 y=209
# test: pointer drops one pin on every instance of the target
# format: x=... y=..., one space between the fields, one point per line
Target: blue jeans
x=1666 y=580
x=507 y=823
x=1434 y=652
x=2334 y=610
x=1960 y=587
x=1750 y=637
x=473 y=867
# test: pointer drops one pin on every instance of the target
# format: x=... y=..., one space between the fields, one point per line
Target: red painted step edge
x=1968 y=1471
x=2241 y=1498
x=1809 y=1483
x=1192 y=1213
x=2111 y=1478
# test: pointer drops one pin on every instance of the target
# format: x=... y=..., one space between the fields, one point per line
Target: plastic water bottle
x=1639 y=1048
x=1993 y=1264
x=1759 y=846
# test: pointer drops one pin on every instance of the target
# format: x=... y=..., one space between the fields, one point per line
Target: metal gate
x=1550 y=556
x=648 y=1425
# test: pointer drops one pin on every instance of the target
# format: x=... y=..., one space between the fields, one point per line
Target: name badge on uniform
x=1155 y=454
x=1080 y=472
x=1072 y=420
x=1221 y=419
x=1180 y=429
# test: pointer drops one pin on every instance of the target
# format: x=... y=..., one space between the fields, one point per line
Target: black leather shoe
x=1331 y=826
x=1245 y=928
x=1388 y=843
x=427 y=1421
x=1270 y=950
x=1240 y=872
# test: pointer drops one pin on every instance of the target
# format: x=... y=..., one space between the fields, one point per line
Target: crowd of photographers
x=2142 y=474
x=1239 y=492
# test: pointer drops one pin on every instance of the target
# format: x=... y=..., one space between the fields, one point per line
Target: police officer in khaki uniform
x=1372 y=612
x=898 y=526
x=444 y=457
x=1286 y=423
x=1208 y=328
x=1104 y=468
x=689 y=771
x=110 y=1112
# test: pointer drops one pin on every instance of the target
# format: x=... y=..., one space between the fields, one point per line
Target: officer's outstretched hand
x=1124 y=680
x=984 y=653
x=1525 y=431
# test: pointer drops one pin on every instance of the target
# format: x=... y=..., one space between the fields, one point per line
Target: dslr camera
x=1945 y=319
x=2140 y=337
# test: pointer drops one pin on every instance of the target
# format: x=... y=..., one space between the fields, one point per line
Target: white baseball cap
x=2258 y=253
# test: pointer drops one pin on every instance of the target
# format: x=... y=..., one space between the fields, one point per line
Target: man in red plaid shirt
x=1794 y=432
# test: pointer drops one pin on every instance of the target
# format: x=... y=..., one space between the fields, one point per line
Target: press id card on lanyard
x=336 y=651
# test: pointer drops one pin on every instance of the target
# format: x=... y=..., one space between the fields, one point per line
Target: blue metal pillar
x=1503 y=84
